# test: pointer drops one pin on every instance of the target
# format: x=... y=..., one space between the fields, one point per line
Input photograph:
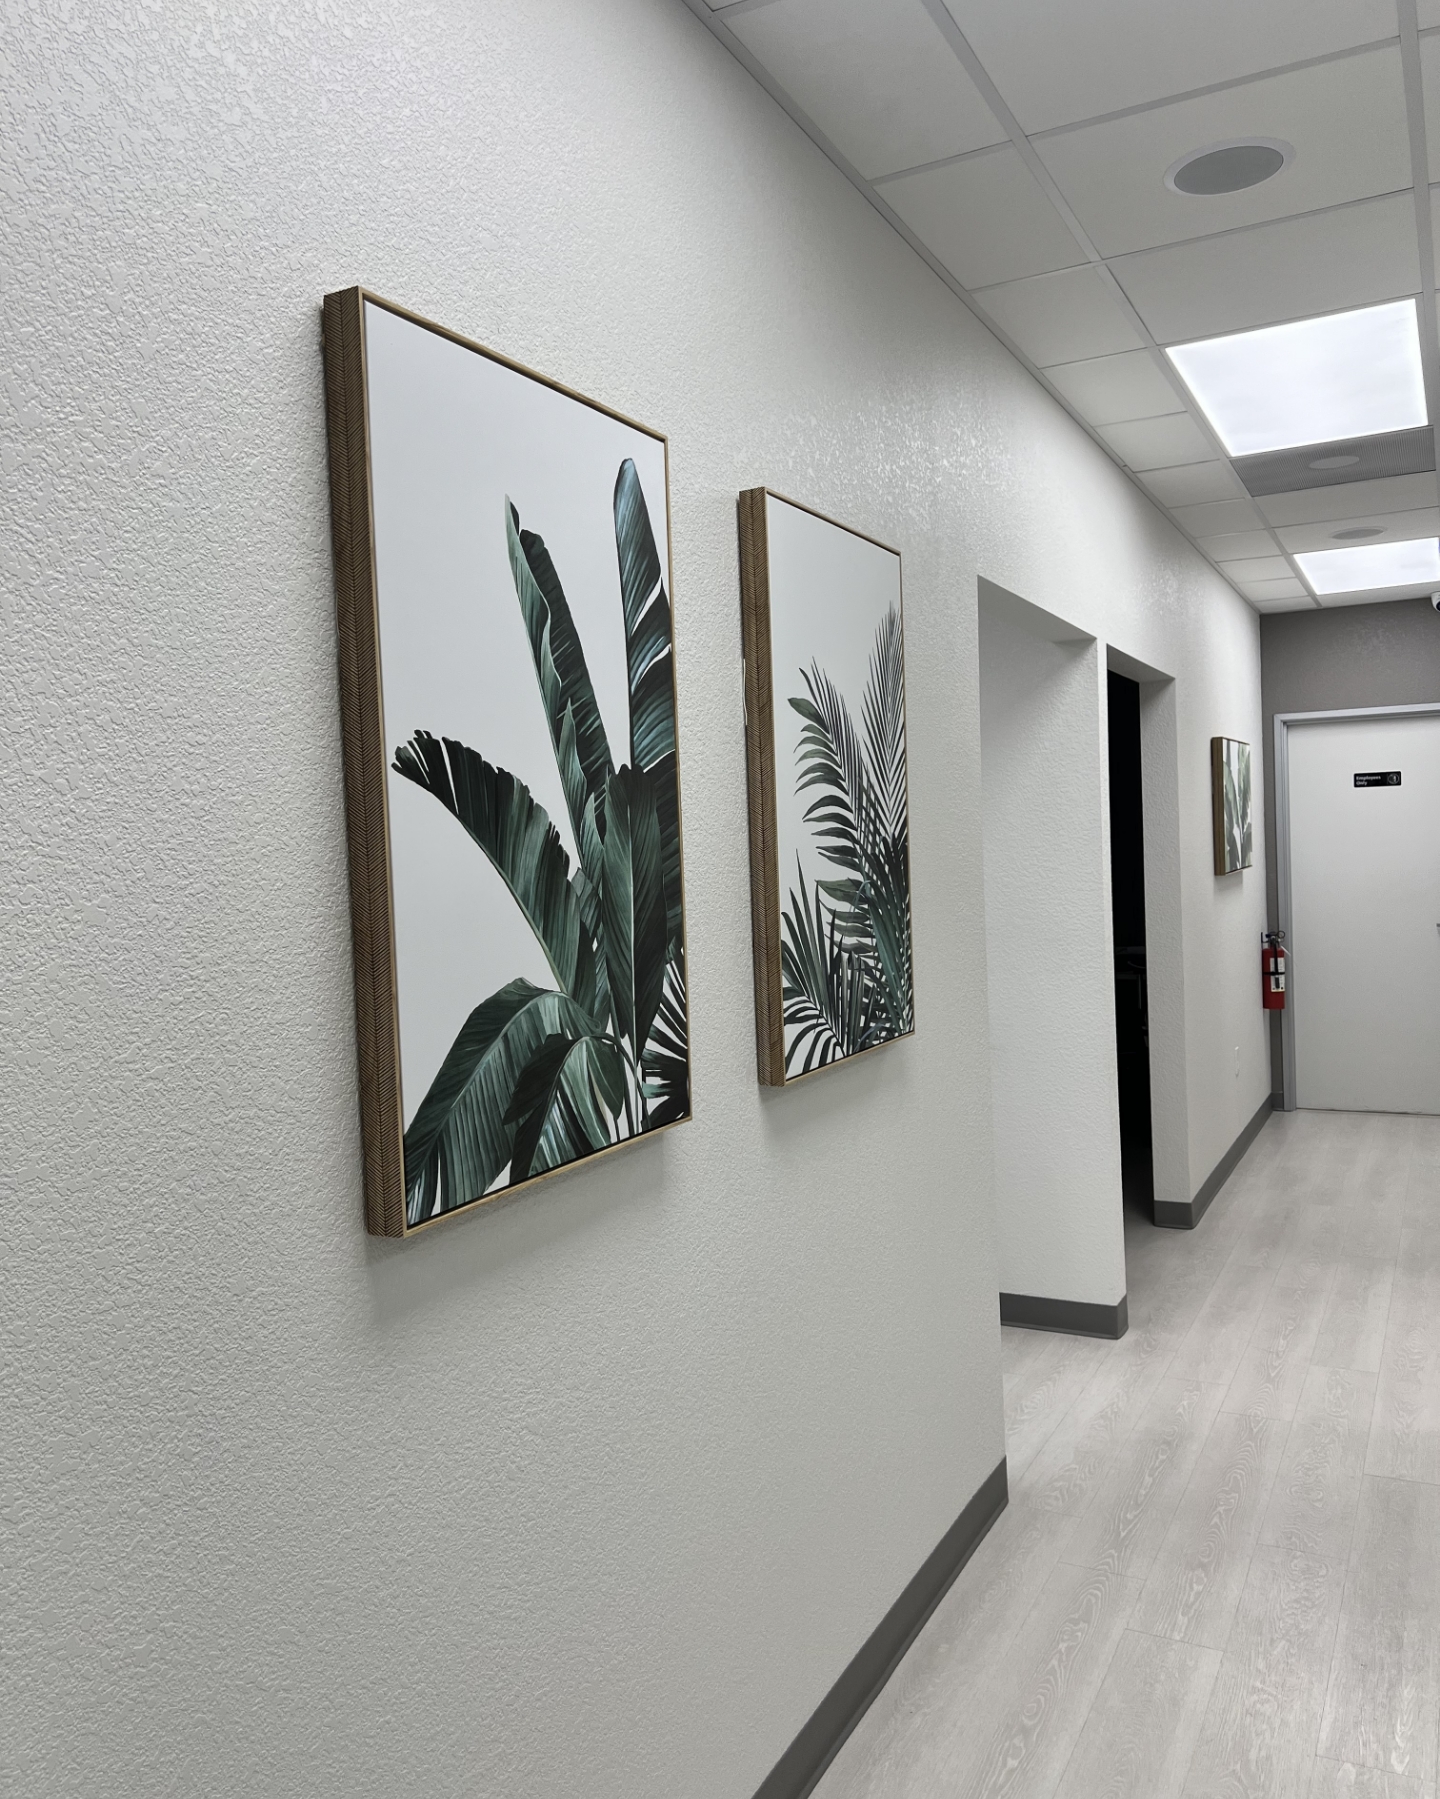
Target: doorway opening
x=1127 y=911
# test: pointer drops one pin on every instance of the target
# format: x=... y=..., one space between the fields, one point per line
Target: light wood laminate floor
x=1219 y=1573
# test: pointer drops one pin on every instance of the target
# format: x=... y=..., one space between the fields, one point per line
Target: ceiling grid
x=1043 y=192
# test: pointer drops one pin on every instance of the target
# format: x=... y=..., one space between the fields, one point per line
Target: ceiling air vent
x=1331 y=465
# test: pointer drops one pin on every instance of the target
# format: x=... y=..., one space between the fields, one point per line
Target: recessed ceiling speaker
x=1355 y=532
x=1229 y=168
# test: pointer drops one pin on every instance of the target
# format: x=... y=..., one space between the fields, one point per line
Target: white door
x=1365 y=913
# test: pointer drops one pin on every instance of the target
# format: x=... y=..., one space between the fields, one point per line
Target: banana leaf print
x=538 y=1077
x=1239 y=829
x=845 y=950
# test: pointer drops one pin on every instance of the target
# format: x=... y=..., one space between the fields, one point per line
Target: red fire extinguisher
x=1272 y=970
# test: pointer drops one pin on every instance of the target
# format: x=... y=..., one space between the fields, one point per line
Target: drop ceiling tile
x=986 y=217
x=1394 y=493
x=1233 y=546
x=1061 y=318
x=1429 y=14
x=879 y=81
x=1293 y=268
x=1373 y=599
x=1435 y=219
x=1287 y=588
x=1058 y=63
x=1394 y=527
x=1223 y=515
x=1109 y=389
x=1159 y=443
x=1190 y=486
x=1301 y=603
x=1430 y=81
x=1345 y=120
x=1259 y=568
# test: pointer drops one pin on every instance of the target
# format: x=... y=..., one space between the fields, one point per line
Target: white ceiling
x=1021 y=146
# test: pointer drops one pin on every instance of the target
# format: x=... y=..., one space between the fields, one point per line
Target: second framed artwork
x=829 y=808
x=1230 y=790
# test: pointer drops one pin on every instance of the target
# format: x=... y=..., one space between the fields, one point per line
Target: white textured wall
x=597 y=1491
x=1059 y=1218
x=1047 y=894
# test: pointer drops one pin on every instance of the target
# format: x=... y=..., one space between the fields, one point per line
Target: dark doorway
x=1127 y=898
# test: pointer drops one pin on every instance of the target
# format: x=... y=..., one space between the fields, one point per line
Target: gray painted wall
x=1327 y=660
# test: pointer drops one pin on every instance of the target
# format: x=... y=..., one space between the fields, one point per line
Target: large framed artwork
x=512 y=791
x=1230 y=803
x=829 y=809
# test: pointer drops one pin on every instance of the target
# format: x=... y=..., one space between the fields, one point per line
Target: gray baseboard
x=1171 y=1215
x=1076 y=1317
x=820 y=1738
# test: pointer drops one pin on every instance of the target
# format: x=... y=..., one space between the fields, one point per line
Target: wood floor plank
x=1267 y=1233
x=1143 y=1725
x=1273 y=1365
x=1405 y=1433
x=1167 y=1293
x=1194 y=1586
x=1352 y=1331
x=1259 y=1736
x=1217 y=1340
x=1317 y=1491
x=1371 y=1230
x=1382 y=1171
x=897 y=1746
x=1076 y=1455
x=1343 y=1780
x=1383 y=1707
x=1018 y=1348
x=1125 y=1521
x=1422 y=1193
x=1028 y=1716
x=1051 y=1380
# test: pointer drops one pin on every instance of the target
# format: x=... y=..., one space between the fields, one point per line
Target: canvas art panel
x=829 y=807
x=1230 y=782
x=512 y=786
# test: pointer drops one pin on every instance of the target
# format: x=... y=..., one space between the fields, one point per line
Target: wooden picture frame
x=603 y=1051
x=795 y=1038
x=1232 y=805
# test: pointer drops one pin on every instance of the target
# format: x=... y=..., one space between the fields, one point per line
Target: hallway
x=1219 y=1572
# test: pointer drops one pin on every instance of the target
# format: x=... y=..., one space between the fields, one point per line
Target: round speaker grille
x=1229 y=168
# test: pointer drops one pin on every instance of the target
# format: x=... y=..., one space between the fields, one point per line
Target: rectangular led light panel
x=1412 y=564
x=1353 y=374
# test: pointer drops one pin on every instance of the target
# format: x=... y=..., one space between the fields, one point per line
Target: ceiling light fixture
x=1350 y=374
x=1229 y=168
x=1373 y=565
x=1324 y=462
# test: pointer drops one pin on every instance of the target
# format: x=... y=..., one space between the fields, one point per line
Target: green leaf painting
x=1235 y=824
x=538 y=1077
x=845 y=950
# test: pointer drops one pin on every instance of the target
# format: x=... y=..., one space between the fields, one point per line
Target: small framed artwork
x=829 y=808
x=512 y=790
x=1230 y=802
